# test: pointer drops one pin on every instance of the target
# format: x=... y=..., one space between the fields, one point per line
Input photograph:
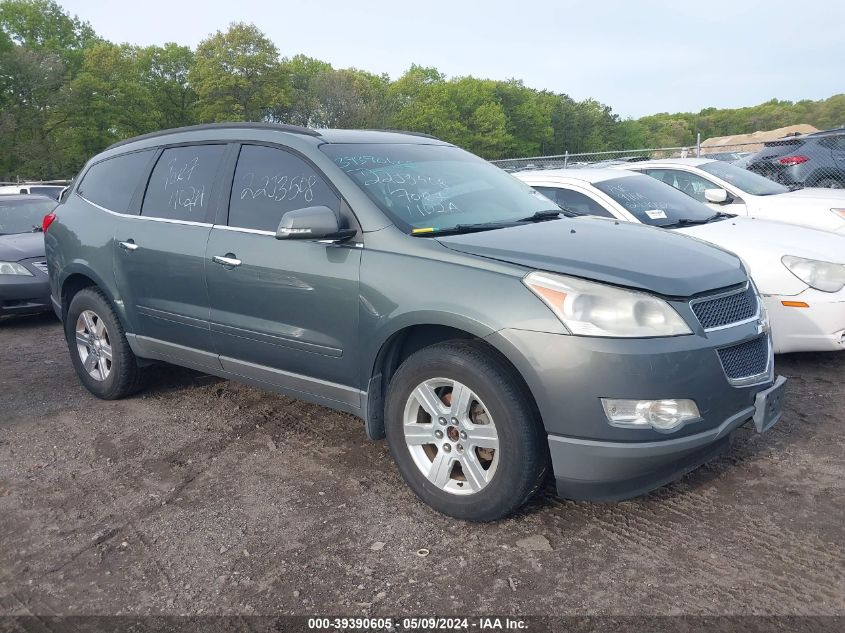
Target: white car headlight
x=13 y=268
x=823 y=276
x=588 y=308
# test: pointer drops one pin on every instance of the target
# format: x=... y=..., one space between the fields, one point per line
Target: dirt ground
x=202 y=496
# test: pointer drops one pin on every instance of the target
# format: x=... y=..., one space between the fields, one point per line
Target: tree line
x=66 y=93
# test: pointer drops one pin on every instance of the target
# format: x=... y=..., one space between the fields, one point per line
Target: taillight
x=47 y=221
x=789 y=161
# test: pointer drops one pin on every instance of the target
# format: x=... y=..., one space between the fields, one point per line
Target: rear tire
x=98 y=347
x=485 y=454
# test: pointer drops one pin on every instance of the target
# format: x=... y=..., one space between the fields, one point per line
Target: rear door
x=286 y=313
x=160 y=254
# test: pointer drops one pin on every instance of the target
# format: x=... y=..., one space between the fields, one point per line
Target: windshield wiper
x=551 y=214
x=539 y=216
x=462 y=228
x=688 y=222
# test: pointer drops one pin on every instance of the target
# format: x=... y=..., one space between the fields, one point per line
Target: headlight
x=661 y=415
x=823 y=276
x=592 y=309
x=12 y=268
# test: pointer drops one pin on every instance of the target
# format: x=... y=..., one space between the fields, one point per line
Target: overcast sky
x=640 y=57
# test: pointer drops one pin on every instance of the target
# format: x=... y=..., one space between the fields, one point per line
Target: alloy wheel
x=93 y=345
x=451 y=436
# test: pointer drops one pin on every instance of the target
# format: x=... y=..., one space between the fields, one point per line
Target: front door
x=160 y=254
x=283 y=312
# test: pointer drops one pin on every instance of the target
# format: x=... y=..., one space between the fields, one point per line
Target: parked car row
x=489 y=327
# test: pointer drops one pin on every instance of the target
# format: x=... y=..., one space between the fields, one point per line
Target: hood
x=833 y=196
x=749 y=238
x=14 y=248
x=619 y=253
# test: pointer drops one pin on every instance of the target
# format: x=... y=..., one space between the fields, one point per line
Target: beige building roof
x=751 y=142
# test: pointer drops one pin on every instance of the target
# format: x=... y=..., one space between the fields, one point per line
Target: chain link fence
x=805 y=160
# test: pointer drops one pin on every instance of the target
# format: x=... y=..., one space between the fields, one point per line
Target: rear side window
x=112 y=183
x=269 y=182
x=574 y=201
x=181 y=183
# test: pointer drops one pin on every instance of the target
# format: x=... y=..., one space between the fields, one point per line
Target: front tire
x=98 y=347
x=463 y=431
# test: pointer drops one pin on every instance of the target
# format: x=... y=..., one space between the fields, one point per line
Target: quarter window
x=112 y=183
x=574 y=201
x=181 y=184
x=269 y=182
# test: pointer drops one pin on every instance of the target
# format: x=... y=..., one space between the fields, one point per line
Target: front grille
x=746 y=359
x=42 y=266
x=726 y=309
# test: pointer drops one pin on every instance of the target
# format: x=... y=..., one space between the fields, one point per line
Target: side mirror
x=311 y=223
x=717 y=196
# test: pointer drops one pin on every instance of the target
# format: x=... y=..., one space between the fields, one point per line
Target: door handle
x=129 y=245
x=228 y=260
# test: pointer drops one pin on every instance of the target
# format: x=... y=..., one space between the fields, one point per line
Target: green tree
x=237 y=76
x=164 y=73
x=300 y=73
x=42 y=25
x=106 y=102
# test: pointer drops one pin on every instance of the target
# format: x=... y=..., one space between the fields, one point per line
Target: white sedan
x=800 y=272
x=728 y=188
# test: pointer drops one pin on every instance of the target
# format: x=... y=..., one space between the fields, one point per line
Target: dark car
x=806 y=160
x=399 y=278
x=24 y=286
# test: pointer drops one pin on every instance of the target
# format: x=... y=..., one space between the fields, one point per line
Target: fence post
x=698 y=145
x=565 y=158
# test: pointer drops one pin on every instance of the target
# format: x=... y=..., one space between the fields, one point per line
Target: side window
x=574 y=201
x=181 y=183
x=112 y=183
x=269 y=182
x=691 y=184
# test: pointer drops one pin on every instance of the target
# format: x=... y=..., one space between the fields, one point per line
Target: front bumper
x=24 y=295
x=568 y=376
x=817 y=328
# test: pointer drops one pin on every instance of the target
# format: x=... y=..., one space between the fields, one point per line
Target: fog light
x=661 y=415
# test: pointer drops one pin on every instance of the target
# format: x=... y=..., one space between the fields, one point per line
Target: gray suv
x=487 y=333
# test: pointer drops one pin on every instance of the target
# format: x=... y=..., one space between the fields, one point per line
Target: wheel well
x=399 y=347
x=70 y=287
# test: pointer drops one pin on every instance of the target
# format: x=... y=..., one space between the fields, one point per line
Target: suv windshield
x=655 y=203
x=743 y=179
x=23 y=216
x=436 y=187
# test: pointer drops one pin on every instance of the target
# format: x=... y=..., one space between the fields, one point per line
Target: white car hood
x=834 y=196
x=762 y=244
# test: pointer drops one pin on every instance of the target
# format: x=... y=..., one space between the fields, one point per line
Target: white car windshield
x=656 y=203
x=743 y=179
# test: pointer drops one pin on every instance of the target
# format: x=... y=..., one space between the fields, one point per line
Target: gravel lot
x=202 y=496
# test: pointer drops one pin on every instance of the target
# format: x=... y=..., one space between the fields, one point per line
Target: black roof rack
x=279 y=127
